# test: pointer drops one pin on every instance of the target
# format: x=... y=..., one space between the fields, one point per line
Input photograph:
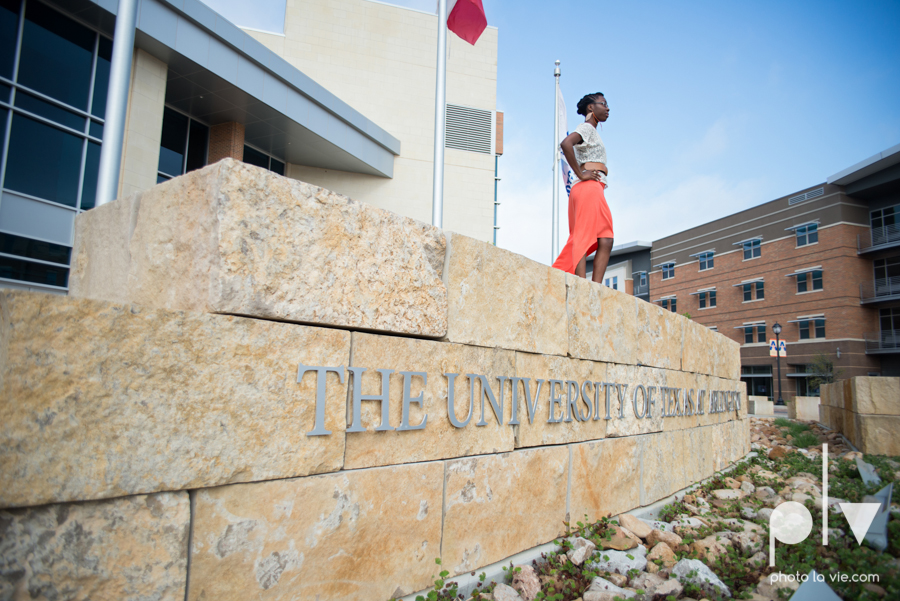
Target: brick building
x=824 y=263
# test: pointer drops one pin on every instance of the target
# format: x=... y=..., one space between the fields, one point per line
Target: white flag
x=568 y=176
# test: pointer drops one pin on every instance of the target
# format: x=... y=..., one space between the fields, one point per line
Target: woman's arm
x=568 y=148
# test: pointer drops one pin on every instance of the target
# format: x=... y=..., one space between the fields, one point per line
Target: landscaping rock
x=758 y=559
x=604 y=590
x=769 y=585
x=637 y=526
x=669 y=588
x=748 y=487
x=504 y=592
x=581 y=550
x=658 y=525
x=747 y=543
x=658 y=536
x=663 y=552
x=764 y=514
x=732 y=483
x=648 y=583
x=704 y=578
x=748 y=512
x=777 y=453
x=711 y=547
x=620 y=540
x=620 y=562
x=729 y=494
x=526 y=582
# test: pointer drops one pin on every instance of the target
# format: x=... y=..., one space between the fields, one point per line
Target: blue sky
x=714 y=106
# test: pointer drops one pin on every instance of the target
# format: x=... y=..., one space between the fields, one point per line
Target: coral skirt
x=589 y=219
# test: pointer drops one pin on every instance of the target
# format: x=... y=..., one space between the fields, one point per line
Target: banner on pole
x=568 y=176
x=777 y=348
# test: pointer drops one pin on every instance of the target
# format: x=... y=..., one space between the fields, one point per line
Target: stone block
x=439 y=439
x=760 y=406
x=354 y=535
x=663 y=469
x=540 y=431
x=698 y=453
x=498 y=505
x=728 y=359
x=237 y=239
x=847 y=394
x=804 y=408
x=606 y=478
x=132 y=548
x=878 y=434
x=602 y=322
x=660 y=336
x=852 y=427
x=101 y=400
x=635 y=402
x=700 y=349
x=688 y=384
x=500 y=299
x=879 y=396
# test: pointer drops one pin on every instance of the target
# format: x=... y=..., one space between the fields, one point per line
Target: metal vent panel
x=808 y=196
x=469 y=129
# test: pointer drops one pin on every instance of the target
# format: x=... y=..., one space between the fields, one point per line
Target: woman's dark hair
x=589 y=99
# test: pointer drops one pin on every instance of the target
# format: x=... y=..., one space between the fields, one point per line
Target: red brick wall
x=842 y=270
x=226 y=140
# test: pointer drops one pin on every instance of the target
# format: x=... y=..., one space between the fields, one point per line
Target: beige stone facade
x=866 y=410
x=381 y=60
x=143 y=125
x=322 y=454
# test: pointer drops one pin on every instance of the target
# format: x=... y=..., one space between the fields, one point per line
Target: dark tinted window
x=101 y=79
x=96 y=130
x=255 y=157
x=173 y=142
x=277 y=167
x=43 y=161
x=197 y=143
x=34 y=249
x=57 y=54
x=9 y=25
x=91 y=169
x=53 y=112
x=37 y=273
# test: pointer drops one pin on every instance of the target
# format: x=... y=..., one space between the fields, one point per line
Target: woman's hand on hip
x=588 y=175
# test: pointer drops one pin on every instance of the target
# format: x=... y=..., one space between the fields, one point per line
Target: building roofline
x=877 y=162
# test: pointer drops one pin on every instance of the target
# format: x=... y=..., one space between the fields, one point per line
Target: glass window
x=672 y=305
x=277 y=167
x=43 y=161
x=752 y=249
x=761 y=333
x=34 y=249
x=760 y=291
x=802 y=282
x=50 y=111
x=706 y=261
x=615 y=285
x=712 y=298
x=748 y=292
x=255 y=157
x=804 y=330
x=669 y=304
x=101 y=78
x=197 y=145
x=889 y=319
x=643 y=279
x=57 y=56
x=748 y=335
x=96 y=130
x=4 y=92
x=817 y=280
x=702 y=300
x=173 y=142
x=808 y=234
x=9 y=26
x=91 y=169
x=820 y=328
x=668 y=271
x=36 y=273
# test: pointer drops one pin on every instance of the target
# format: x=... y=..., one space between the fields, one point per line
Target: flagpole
x=555 y=220
x=440 y=109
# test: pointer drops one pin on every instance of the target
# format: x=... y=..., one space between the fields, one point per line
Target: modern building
x=627 y=270
x=344 y=98
x=823 y=263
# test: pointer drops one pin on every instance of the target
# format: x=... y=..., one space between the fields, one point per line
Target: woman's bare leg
x=581 y=268
x=601 y=259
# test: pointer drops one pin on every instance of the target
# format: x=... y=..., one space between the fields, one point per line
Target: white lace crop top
x=591 y=149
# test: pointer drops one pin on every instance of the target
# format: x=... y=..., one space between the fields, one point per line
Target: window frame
x=668 y=270
x=706 y=260
x=807 y=235
x=752 y=249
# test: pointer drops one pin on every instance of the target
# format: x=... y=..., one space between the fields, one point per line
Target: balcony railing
x=878 y=238
x=886 y=289
x=639 y=290
x=885 y=341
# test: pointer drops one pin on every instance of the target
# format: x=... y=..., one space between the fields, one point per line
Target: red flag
x=467 y=19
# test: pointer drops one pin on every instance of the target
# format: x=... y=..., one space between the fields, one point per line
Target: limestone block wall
x=259 y=388
x=866 y=410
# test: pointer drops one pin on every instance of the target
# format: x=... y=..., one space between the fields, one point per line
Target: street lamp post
x=777 y=329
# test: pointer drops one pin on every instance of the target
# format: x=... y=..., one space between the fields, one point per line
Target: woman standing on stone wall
x=590 y=222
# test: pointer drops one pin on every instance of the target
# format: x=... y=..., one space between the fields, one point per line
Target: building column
x=143 y=124
x=226 y=140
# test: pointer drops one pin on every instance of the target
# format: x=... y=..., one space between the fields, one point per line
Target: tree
x=822 y=371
